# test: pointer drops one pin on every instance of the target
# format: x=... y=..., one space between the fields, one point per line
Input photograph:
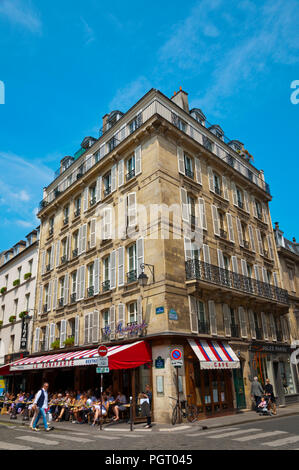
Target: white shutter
x=240 y=233
x=193 y=314
x=120 y=167
x=235 y=197
x=96 y=276
x=198 y=170
x=52 y=257
x=251 y=238
x=36 y=339
x=270 y=246
x=272 y=327
x=265 y=277
x=92 y=237
x=230 y=227
x=211 y=179
x=113 y=178
x=99 y=189
x=66 y=289
x=95 y=326
x=215 y=217
x=139 y=310
x=78 y=283
x=244 y=267
x=225 y=188
x=252 y=324
x=69 y=246
x=188 y=249
x=243 y=322
x=55 y=293
x=212 y=315
x=139 y=254
x=86 y=328
x=82 y=282
x=226 y=319
x=256 y=272
x=120 y=318
x=40 y=300
x=80 y=241
x=52 y=334
x=260 y=242
x=220 y=259
x=138 y=168
x=235 y=264
x=275 y=279
x=113 y=270
x=132 y=210
x=62 y=333
x=85 y=199
x=265 y=326
x=184 y=202
x=84 y=237
x=43 y=262
x=112 y=322
x=77 y=324
x=49 y=296
x=121 y=266
x=181 y=162
x=265 y=213
x=246 y=202
x=253 y=206
x=206 y=254
x=57 y=253
x=202 y=214
x=47 y=338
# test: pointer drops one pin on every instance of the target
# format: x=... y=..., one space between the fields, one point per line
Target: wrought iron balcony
x=189 y=173
x=93 y=200
x=60 y=302
x=203 y=327
x=107 y=190
x=218 y=191
x=106 y=285
x=246 y=244
x=77 y=212
x=43 y=346
x=65 y=221
x=48 y=268
x=235 y=331
x=130 y=174
x=63 y=259
x=90 y=291
x=51 y=231
x=75 y=253
x=240 y=204
x=45 y=308
x=73 y=297
x=198 y=270
x=132 y=276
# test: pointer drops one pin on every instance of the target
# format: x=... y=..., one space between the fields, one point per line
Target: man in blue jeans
x=41 y=403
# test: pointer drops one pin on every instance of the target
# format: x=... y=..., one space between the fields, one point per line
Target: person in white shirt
x=41 y=402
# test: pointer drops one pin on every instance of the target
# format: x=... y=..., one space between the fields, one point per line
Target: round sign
x=176 y=354
x=102 y=350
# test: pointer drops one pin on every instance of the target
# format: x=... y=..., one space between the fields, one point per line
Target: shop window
x=287 y=377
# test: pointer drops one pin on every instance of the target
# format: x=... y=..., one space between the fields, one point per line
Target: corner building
x=119 y=209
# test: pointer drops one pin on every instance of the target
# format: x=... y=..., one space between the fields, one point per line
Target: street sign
x=103 y=361
x=102 y=370
x=176 y=358
x=102 y=350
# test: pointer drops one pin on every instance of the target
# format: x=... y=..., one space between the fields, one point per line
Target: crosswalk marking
x=207 y=433
x=71 y=438
x=260 y=435
x=12 y=446
x=282 y=442
x=38 y=440
x=174 y=429
x=103 y=436
x=233 y=433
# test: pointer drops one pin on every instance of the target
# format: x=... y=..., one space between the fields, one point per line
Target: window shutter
x=66 y=289
x=113 y=178
x=122 y=217
x=85 y=199
x=181 y=162
x=82 y=283
x=270 y=246
x=77 y=323
x=193 y=314
x=235 y=197
x=96 y=276
x=43 y=257
x=69 y=246
x=52 y=335
x=139 y=310
x=243 y=322
x=139 y=254
x=184 y=202
x=138 y=168
x=272 y=327
x=202 y=214
x=213 y=319
x=265 y=277
x=215 y=217
x=240 y=233
x=62 y=333
x=47 y=338
x=52 y=257
x=265 y=213
x=260 y=242
x=112 y=322
x=211 y=179
x=40 y=300
x=225 y=188
x=188 y=249
x=252 y=324
x=36 y=339
x=120 y=173
x=206 y=254
x=246 y=202
x=95 y=327
x=80 y=240
x=84 y=237
x=121 y=318
x=253 y=206
x=121 y=266
x=256 y=272
x=198 y=170
x=49 y=297
x=220 y=259
x=132 y=210
x=226 y=319
x=92 y=239
x=99 y=189
x=251 y=238
x=244 y=267
x=78 y=283
x=86 y=328
x=275 y=279
x=265 y=326
x=57 y=253
x=113 y=270
x=235 y=264
x=230 y=227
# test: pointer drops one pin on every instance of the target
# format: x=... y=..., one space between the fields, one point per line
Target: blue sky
x=67 y=63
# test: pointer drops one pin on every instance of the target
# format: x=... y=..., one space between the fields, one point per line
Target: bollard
x=131 y=413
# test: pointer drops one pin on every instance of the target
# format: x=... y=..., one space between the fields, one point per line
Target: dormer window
x=135 y=123
x=198 y=115
x=217 y=131
x=114 y=116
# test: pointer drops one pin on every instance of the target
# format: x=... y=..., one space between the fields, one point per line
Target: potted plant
x=16 y=282
x=23 y=314
x=3 y=290
x=12 y=319
x=55 y=344
x=1 y=323
x=69 y=341
x=27 y=276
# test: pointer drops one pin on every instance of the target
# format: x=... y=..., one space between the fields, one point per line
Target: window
x=46 y=297
x=77 y=206
x=105 y=318
x=178 y=122
x=191 y=209
x=291 y=279
x=188 y=166
x=107 y=184
x=51 y=225
x=90 y=280
x=259 y=212
x=61 y=291
x=203 y=326
x=132 y=263
x=132 y=312
x=131 y=167
x=64 y=250
x=217 y=184
x=112 y=144
x=16 y=301
x=135 y=123
x=239 y=198
x=106 y=273
x=74 y=286
x=92 y=194
x=30 y=263
x=6 y=280
x=27 y=296
x=19 y=272
x=66 y=214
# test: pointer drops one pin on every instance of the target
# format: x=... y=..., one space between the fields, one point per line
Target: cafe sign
x=129 y=330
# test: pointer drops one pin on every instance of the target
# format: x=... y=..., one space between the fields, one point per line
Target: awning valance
x=214 y=354
x=125 y=356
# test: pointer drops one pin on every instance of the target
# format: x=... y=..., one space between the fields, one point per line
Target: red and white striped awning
x=125 y=356
x=214 y=354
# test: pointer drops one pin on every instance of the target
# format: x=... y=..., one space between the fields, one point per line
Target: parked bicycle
x=183 y=410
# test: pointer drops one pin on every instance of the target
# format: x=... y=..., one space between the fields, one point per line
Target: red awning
x=124 y=356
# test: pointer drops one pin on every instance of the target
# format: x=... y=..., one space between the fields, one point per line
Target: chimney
x=294 y=240
x=181 y=99
x=105 y=119
x=276 y=226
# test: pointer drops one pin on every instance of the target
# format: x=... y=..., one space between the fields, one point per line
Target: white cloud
x=88 y=32
x=21 y=13
x=127 y=96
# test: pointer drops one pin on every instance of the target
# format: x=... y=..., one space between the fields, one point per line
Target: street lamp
x=143 y=278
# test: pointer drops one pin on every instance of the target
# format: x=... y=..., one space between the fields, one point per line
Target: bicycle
x=183 y=410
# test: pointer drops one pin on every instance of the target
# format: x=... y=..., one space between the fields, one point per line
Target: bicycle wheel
x=174 y=415
x=191 y=413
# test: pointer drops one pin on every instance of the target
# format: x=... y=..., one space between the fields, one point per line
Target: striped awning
x=125 y=356
x=214 y=354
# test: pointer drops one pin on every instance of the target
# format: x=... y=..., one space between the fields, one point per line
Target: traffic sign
x=102 y=350
x=103 y=361
x=102 y=370
x=176 y=354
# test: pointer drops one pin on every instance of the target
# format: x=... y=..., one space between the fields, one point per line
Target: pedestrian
x=145 y=408
x=256 y=392
x=149 y=393
x=41 y=402
x=270 y=394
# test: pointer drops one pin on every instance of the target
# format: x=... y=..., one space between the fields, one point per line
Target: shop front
x=273 y=361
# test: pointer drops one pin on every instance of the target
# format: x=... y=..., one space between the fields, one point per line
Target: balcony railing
x=60 y=302
x=130 y=174
x=73 y=297
x=93 y=200
x=106 y=285
x=198 y=270
x=189 y=173
x=107 y=190
x=75 y=253
x=203 y=327
x=45 y=308
x=63 y=259
x=185 y=123
x=132 y=276
x=90 y=291
x=235 y=331
x=218 y=190
x=77 y=212
x=240 y=204
x=65 y=221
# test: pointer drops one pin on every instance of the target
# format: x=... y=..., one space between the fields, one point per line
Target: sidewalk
x=210 y=423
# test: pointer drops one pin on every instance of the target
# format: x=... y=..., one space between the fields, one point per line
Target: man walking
x=41 y=402
x=256 y=392
x=270 y=394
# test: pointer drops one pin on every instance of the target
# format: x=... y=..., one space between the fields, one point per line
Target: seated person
x=65 y=406
x=101 y=409
x=120 y=401
x=263 y=406
x=79 y=408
